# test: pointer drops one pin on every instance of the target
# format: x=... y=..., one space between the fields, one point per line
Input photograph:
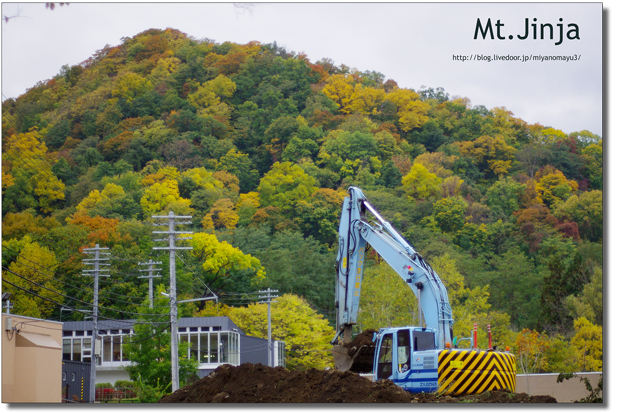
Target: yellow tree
x=221 y=215
x=587 y=345
x=220 y=261
x=30 y=269
x=164 y=197
x=339 y=88
x=531 y=347
x=419 y=183
x=306 y=333
x=410 y=109
x=492 y=154
x=207 y=99
x=366 y=100
x=25 y=155
x=552 y=185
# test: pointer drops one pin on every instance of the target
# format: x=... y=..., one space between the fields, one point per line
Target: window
x=77 y=349
x=403 y=350
x=66 y=349
x=423 y=340
x=384 y=369
x=72 y=376
x=107 y=349
x=224 y=348
x=64 y=376
x=213 y=340
x=116 y=348
x=204 y=347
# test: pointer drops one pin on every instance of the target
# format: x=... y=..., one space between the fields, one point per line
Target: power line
x=67 y=296
x=79 y=310
x=81 y=285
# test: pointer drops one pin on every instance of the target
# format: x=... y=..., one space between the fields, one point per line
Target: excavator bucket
x=357 y=360
x=356 y=356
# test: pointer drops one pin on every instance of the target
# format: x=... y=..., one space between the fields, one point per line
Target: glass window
x=234 y=349
x=423 y=340
x=224 y=351
x=79 y=333
x=107 y=348
x=86 y=346
x=66 y=349
x=204 y=347
x=77 y=349
x=193 y=346
x=404 y=347
x=116 y=349
x=213 y=346
x=72 y=376
x=64 y=376
x=384 y=369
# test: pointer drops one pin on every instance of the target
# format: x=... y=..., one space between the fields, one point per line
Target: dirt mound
x=255 y=383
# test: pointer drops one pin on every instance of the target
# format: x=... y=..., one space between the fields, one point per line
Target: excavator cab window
x=423 y=340
x=403 y=350
x=384 y=367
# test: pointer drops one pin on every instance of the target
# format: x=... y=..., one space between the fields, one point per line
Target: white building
x=213 y=341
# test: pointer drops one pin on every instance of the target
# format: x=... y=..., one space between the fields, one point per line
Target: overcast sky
x=414 y=44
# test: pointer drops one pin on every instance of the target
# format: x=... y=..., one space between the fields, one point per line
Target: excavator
x=420 y=359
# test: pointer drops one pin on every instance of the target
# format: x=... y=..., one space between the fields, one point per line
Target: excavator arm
x=361 y=225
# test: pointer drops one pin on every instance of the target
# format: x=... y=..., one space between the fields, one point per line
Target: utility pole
x=269 y=291
x=174 y=338
x=150 y=277
x=96 y=273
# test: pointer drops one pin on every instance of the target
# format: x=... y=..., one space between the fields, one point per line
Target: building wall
x=31 y=360
x=546 y=385
x=76 y=381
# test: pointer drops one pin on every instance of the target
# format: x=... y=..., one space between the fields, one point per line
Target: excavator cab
x=408 y=357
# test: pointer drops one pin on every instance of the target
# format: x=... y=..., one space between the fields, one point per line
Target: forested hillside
x=259 y=144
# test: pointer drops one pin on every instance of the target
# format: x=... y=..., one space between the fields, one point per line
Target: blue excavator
x=420 y=359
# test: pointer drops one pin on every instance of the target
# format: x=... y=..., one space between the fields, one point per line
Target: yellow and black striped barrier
x=472 y=372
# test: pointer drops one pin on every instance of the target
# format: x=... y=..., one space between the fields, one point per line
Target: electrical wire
x=71 y=285
x=66 y=296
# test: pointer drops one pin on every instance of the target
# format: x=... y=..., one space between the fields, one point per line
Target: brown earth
x=255 y=383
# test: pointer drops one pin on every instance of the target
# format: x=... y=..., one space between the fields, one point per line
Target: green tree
x=449 y=213
x=284 y=185
x=385 y=300
x=504 y=195
x=149 y=350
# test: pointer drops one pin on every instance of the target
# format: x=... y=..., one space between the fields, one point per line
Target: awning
x=36 y=340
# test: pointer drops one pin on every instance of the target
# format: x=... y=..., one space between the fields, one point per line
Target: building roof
x=225 y=323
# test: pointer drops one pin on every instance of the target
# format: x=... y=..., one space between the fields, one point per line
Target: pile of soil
x=255 y=383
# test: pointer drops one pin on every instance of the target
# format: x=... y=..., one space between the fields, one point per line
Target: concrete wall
x=31 y=360
x=545 y=385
